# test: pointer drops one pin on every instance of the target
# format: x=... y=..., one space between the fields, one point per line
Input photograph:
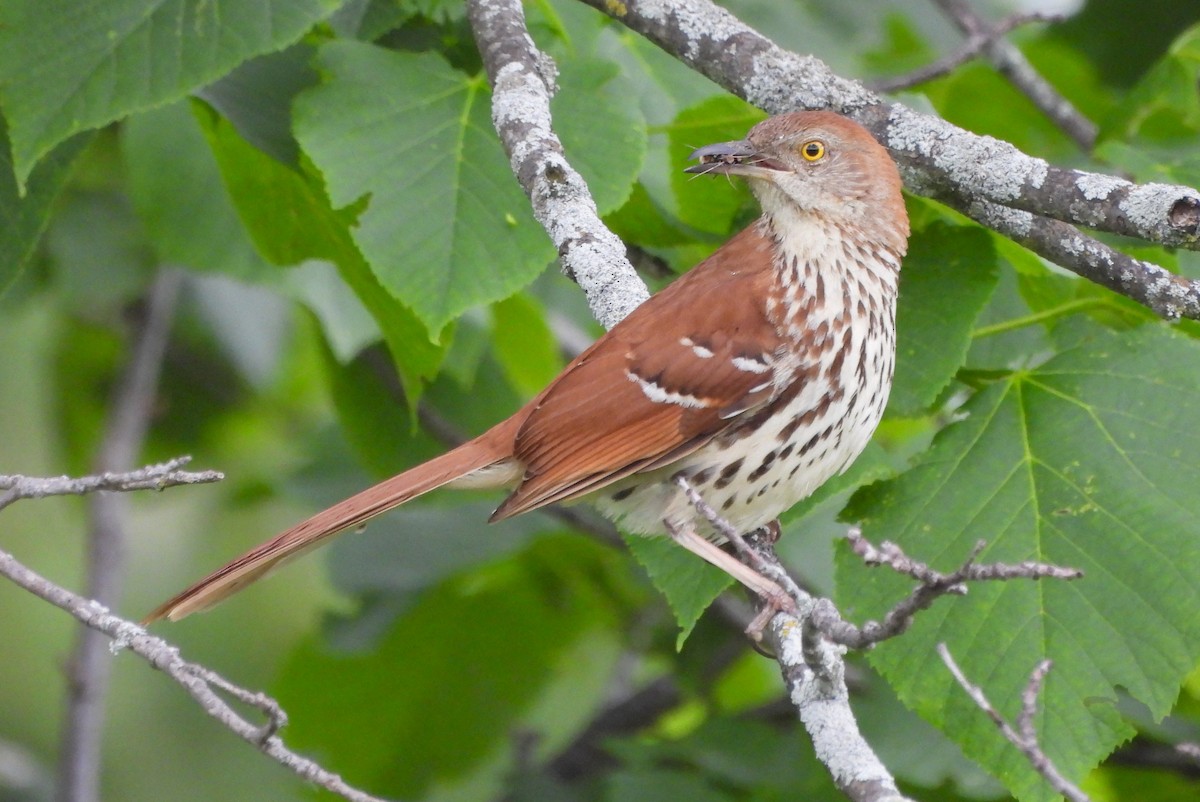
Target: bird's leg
x=774 y=597
x=726 y=529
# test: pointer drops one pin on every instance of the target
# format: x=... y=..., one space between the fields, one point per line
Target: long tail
x=478 y=463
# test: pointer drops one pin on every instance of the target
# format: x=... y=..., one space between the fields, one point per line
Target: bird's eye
x=812 y=150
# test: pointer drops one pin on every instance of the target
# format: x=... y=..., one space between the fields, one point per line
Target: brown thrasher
x=756 y=376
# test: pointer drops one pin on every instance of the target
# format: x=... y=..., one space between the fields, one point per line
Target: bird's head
x=816 y=164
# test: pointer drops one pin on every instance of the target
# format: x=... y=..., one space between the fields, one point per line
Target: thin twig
x=1010 y=62
x=933 y=585
x=152 y=477
x=201 y=683
x=90 y=667
x=1024 y=737
x=968 y=50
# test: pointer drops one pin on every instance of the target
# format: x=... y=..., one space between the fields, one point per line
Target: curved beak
x=732 y=158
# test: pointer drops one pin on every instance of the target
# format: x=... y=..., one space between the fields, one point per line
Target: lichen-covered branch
x=152 y=477
x=201 y=683
x=814 y=671
x=813 y=667
x=1167 y=294
x=523 y=81
x=966 y=170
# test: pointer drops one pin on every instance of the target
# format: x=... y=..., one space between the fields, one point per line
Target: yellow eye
x=812 y=150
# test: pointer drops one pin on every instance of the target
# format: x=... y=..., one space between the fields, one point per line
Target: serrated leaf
x=719 y=119
x=947 y=278
x=689 y=583
x=1152 y=134
x=290 y=220
x=1087 y=461
x=125 y=56
x=445 y=225
x=177 y=190
x=604 y=135
x=23 y=215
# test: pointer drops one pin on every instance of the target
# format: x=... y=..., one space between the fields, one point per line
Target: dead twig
x=1024 y=735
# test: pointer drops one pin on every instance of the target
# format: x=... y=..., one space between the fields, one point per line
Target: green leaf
x=98 y=252
x=445 y=227
x=257 y=98
x=177 y=190
x=24 y=214
x=123 y=56
x=418 y=546
x=1086 y=461
x=745 y=758
x=346 y=323
x=373 y=421
x=704 y=204
x=436 y=10
x=604 y=135
x=1153 y=134
x=1122 y=39
x=524 y=344
x=947 y=277
x=644 y=222
x=290 y=221
x=689 y=583
x=477 y=684
x=369 y=19
x=634 y=785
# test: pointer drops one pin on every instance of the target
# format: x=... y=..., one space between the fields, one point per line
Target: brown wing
x=679 y=370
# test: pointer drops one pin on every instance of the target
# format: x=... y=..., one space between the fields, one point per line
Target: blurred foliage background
x=361 y=276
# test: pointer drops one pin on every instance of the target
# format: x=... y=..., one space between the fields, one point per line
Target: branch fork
x=1024 y=735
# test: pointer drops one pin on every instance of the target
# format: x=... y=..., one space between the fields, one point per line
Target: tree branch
x=90 y=668
x=1024 y=736
x=1010 y=62
x=971 y=173
x=523 y=81
x=152 y=477
x=814 y=671
x=201 y=683
x=933 y=585
x=970 y=49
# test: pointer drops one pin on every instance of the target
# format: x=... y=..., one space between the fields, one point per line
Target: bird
x=750 y=380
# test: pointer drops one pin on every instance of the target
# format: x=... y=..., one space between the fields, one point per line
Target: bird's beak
x=733 y=158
